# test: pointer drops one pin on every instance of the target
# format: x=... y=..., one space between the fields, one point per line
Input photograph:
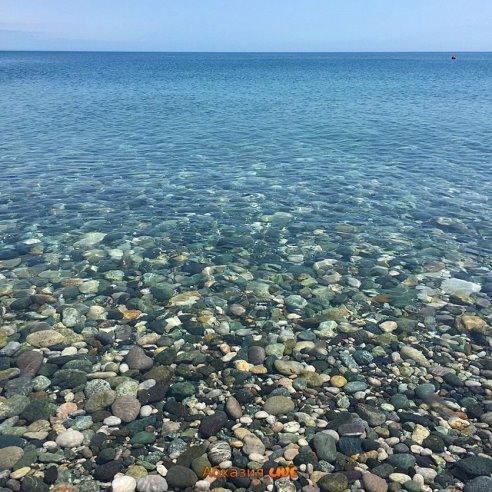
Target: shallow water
x=387 y=143
x=234 y=175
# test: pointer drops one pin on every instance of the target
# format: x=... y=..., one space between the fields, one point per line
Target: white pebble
x=292 y=427
x=147 y=384
x=202 y=486
x=69 y=351
x=70 y=439
x=123 y=483
x=388 y=407
x=256 y=457
x=146 y=411
x=112 y=421
x=400 y=478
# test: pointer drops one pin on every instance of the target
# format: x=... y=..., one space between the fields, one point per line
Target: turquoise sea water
x=385 y=142
x=286 y=242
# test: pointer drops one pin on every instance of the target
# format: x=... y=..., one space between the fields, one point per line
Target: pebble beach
x=178 y=302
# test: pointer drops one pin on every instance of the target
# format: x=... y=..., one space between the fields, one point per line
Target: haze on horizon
x=246 y=25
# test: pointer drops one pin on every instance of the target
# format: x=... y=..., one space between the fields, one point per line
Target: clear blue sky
x=246 y=25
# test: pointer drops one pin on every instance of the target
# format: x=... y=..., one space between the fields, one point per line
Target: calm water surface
x=385 y=142
x=245 y=217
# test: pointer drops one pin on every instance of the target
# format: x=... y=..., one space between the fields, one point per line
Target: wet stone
x=70 y=439
x=350 y=446
x=126 y=408
x=402 y=461
x=479 y=484
x=9 y=456
x=325 y=446
x=371 y=414
x=354 y=386
x=152 y=483
x=278 y=405
x=45 y=338
x=425 y=390
x=100 y=401
x=180 y=477
x=123 y=483
x=212 y=424
x=256 y=355
x=373 y=483
x=333 y=482
x=29 y=362
x=33 y=484
x=143 y=437
x=41 y=409
x=182 y=390
x=219 y=452
x=233 y=408
x=138 y=360
x=107 y=471
x=475 y=466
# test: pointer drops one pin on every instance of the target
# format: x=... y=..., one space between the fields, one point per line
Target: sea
x=207 y=224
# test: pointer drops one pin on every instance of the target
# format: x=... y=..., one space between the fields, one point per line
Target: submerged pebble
x=179 y=293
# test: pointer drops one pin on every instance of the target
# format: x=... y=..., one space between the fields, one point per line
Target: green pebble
x=143 y=437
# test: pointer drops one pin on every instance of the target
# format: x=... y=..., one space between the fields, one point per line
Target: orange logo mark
x=283 y=471
x=274 y=472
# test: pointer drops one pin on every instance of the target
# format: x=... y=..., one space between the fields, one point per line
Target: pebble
x=45 y=338
x=373 y=483
x=126 y=408
x=338 y=381
x=138 y=360
x=212 y=424
x=278 y=405
x=479 y=484
x=70 y=439
x=112 y=421
x=152 y=483
x=20 y=472
x=180 y=477
x=325 y=446
x=123 y=483
x=233 y=408
x=9 y=456
x=415 y=355
x=388 y=326
x=218 y=452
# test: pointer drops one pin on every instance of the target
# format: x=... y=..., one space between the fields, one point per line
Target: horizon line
x=238 y=51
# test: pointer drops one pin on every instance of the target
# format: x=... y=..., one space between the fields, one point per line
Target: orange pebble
x=65 y=409
x=132 y=314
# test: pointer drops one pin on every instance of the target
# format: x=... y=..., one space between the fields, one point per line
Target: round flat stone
x=126 y=408
x=70 y=439
x=9 y=456
x=278 y=405
x=45 y=338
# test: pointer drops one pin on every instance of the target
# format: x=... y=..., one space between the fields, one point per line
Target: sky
x=246 y=25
